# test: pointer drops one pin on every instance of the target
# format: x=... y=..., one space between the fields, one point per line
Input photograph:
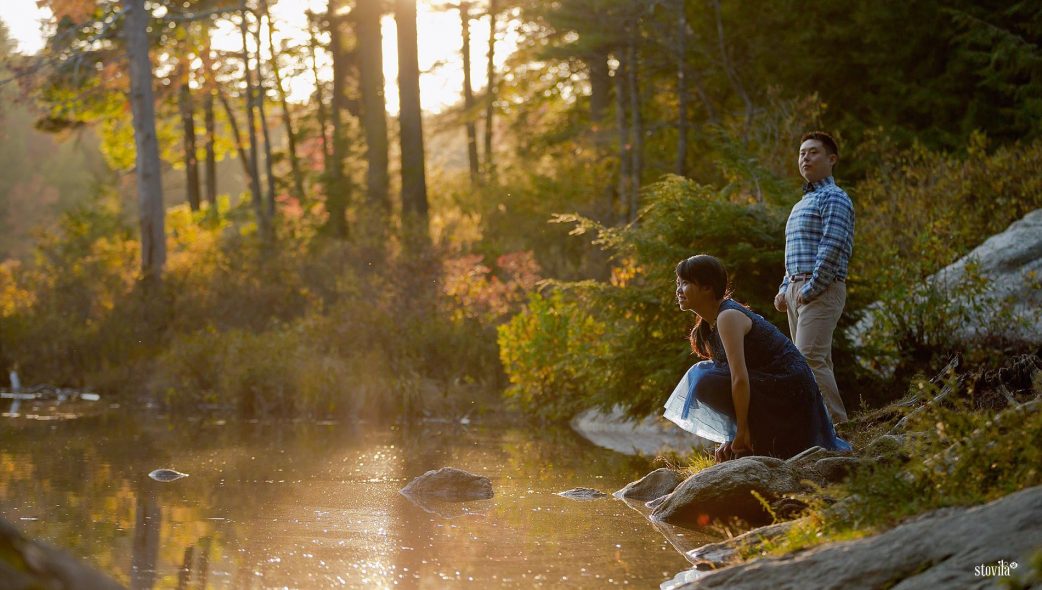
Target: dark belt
x=806 y=276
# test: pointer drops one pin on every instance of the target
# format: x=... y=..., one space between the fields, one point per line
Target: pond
x=316 y=505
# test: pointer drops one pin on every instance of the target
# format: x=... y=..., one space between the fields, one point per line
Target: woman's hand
x=742 y=444
x=723 y=452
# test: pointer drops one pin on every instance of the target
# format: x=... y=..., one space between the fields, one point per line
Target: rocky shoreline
x=956 y=547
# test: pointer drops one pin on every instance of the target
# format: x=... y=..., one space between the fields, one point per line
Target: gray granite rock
x=27 y=564
x=649 y=436
x=835 y=469
x=582 y=494
x=727 y=490
x=656 y=484
x=724 y=553
x=807 y=457
x=1011 y=262
x=887 y=446
x=656 y=502
x=944 y=549
x=450 y=484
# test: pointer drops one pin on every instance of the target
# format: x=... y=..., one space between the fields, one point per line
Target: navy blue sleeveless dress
x=786 y=411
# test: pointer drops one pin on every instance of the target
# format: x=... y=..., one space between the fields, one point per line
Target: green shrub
x=917 y=326
x=622 y=341
x=548 y=351
x=917 y=212
x=294 y=328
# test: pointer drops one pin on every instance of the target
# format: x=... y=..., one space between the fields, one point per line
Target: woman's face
x=688 y=293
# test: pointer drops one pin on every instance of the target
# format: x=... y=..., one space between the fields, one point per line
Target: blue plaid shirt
x=819 y=237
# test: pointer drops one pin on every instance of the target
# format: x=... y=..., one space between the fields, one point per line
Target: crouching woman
x=755 y=393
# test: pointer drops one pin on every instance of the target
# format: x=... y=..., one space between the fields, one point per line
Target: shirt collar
x=809 y=187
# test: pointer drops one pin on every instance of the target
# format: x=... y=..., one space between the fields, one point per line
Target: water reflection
x=317 y=506
x=147 y=526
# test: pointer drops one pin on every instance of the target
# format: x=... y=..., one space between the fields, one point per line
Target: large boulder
x=649 y=436
x=656 y=484
x=726 y=490
x=26 y=564
x=949 y=548
x=450 y=484
x=1012 y=264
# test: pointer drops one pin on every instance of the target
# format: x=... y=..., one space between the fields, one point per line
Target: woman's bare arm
x=733 y=325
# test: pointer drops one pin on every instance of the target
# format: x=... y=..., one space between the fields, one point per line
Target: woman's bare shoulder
x=732 y=319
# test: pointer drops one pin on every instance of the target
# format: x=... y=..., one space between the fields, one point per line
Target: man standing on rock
x=819 y=238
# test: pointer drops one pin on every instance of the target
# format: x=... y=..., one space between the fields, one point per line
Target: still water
x=316 y=505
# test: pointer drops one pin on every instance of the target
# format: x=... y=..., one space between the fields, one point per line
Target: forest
x=182 y=224
x=308 y=255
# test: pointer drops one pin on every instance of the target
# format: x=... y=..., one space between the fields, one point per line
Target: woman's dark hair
x=704 y=271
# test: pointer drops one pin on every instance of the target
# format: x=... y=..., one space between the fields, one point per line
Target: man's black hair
x=826 y=140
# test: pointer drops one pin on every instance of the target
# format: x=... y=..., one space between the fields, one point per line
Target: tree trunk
x=682 y=99
x=490 y=89
x=700 y=89
x=468 y=95
x=414 y=184
x=210 y=123
x=374 y=115
x=142 y=103
x=732 y=74
x=269 y=173
x=236 y=134
x=187 y=110
x=287 y=119
x=211 y=152
x=255 y=189
x=600 y=87
x=625 y=143
x=637 y=122
x=336 y=182
x=322 y=120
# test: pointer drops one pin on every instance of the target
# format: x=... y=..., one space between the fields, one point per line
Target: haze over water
x=310 y=505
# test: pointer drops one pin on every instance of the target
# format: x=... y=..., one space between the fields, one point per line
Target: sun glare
x=440 y=43
x=23 y=18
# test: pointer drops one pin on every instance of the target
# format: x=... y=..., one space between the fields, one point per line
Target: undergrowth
x=952 y=455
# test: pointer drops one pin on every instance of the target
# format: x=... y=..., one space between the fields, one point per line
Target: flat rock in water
x=165 y=475
x=451 y=484
x=948 y=548
x=656 y=484
x=726 y=490
x=649 y=436
x=582 y=494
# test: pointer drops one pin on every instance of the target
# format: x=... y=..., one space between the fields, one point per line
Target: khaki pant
x=811 y=326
